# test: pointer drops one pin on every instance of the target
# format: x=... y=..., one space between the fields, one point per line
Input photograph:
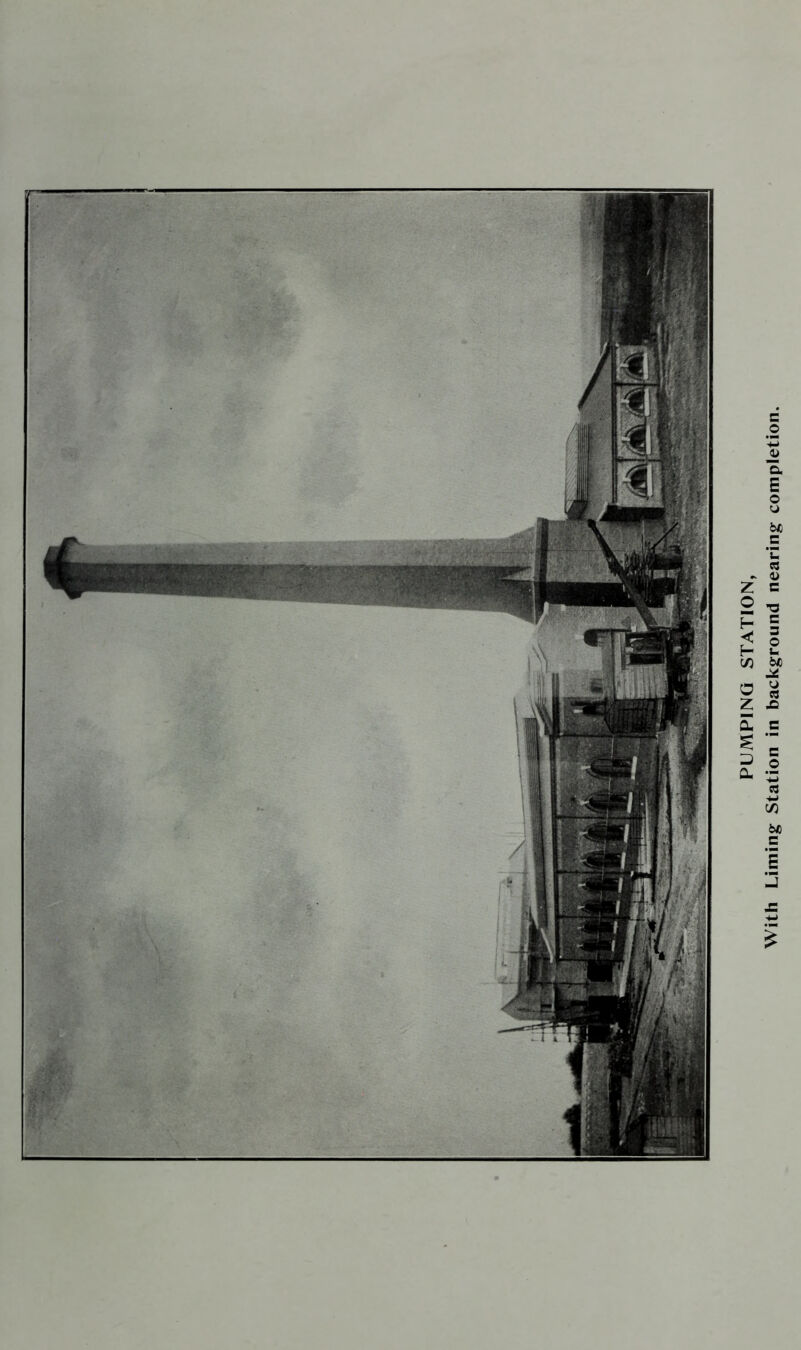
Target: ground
x=668 y=974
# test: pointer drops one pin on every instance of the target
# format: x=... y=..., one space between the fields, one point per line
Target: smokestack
x=470 y=574
x=555 y=561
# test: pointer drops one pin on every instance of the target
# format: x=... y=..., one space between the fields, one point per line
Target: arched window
x=635 y=365
x=604 y=834
x=610 y=768
x=591 y=637
x=595 y=928
x=637 y=480
x=635 y=400
x=601 y=860
x=584 y=708
x=605 y=908
x=597 y=884
x=608 y=802
x=636 y=439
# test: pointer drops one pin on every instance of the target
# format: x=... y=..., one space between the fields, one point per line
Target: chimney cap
x=53 y=567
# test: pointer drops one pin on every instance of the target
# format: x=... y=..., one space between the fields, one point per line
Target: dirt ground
x=668 y=974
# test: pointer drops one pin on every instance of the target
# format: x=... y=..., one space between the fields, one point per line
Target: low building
x=588 y=718
x=613 y=468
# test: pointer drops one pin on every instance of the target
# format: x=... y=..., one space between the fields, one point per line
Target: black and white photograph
x=368 y=610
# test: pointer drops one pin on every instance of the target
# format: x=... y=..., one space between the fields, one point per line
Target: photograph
x=414 y=864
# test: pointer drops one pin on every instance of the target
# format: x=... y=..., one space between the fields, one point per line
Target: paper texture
x=203 y=1254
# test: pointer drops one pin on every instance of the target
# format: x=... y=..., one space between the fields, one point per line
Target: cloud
x=240 y=413
x=169 y=983
x=113 y=352
x=183 y=334
x=49 y=1088
x=197 y=742
x=79 y=824
x=380 y=772
x=354 y=781
x=264 y=322
x=140 y=348
x=330 y=469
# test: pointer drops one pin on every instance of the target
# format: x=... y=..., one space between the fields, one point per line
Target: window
x=599 y=970
x=587 y=709
x=604 y=834
x=635 y=365
x=601 y=860
x=606 y=908
x=599 y=884
x=635 y=400
x=644 y=642
x=637 y=480
x=636 y=439
x=603 y=802
x=593 y=928
x=610 y=768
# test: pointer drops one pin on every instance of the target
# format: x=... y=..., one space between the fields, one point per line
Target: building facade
x=613 y=465
x=587 y=772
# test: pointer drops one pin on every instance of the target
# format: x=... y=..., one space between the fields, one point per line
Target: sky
x=264 y=841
